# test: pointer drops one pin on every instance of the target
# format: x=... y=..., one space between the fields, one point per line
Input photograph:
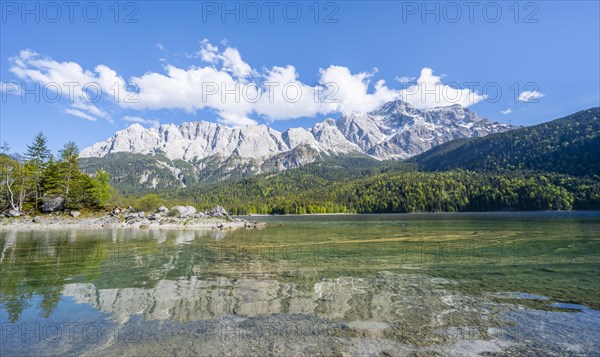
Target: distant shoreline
x=413 y=213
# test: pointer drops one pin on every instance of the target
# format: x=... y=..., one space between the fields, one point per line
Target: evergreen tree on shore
x=38 y=156
x=24 y=183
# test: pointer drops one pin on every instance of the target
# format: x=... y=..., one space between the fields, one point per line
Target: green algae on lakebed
x=552 y=254
x=404 y=283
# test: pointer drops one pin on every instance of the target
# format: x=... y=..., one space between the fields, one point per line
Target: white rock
x=162 y=210
x=154 y=216
x=394 y=130
x=218 y=211
x=182 y=211
x=13 y=213
x=131 y=216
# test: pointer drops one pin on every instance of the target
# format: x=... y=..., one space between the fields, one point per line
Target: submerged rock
x=111 y=222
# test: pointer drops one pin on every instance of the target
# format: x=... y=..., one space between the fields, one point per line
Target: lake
x=494 y=284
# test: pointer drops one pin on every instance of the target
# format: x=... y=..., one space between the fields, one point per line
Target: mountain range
x=171 y=155
x=550 y=166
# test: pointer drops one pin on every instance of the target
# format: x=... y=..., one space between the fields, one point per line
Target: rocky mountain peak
x=394 y=130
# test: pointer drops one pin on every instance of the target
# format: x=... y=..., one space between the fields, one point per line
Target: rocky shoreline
x=178 y=217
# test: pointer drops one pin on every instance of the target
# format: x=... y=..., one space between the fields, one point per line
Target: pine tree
x=69 y=167
x=100 y=192
x=38 y=155
x=38 y=152
x=5 y=148
x=52 y=181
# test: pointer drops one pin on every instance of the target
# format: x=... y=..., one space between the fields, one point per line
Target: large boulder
x=180 y=211
x=218 y=211
x=154 y=216
x=52 y=204
x=163 y=210
x=130 y=216
x=74 y=214
x=12 y=213
x=184 y=211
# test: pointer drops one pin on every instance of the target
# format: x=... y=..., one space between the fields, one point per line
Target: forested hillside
x=135 y=173
x=570 y=145
x=396 y=189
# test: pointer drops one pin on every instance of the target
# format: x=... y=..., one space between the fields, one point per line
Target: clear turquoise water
x=448 y=284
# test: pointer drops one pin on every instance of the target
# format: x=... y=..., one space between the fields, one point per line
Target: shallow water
x=418 y=284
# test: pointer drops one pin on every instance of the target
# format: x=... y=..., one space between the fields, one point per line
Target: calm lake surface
x=492 y=284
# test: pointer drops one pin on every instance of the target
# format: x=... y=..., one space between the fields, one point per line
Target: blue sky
x=166 y=56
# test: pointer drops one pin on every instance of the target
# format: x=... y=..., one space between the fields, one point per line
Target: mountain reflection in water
x=332 y=286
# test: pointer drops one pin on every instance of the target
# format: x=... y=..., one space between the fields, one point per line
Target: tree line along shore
x=40 y=190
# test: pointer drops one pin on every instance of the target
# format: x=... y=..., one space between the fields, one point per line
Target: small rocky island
x=163 y=217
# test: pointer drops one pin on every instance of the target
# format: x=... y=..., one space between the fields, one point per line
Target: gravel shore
x=137 y=220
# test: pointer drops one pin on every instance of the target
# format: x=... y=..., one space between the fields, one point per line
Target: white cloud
x=230 y=58
x=530 y=96
x=506 y=111
x=151 y=122
x=234 y=90
x=90 y=108
x=68 y=80
x=190 y=90
x=236 y=119
x=232 y=61
x=430 y=92
x=282 y=96
x=353 y=90
x=208 y=52
x=80 y=114
x=405 y=79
